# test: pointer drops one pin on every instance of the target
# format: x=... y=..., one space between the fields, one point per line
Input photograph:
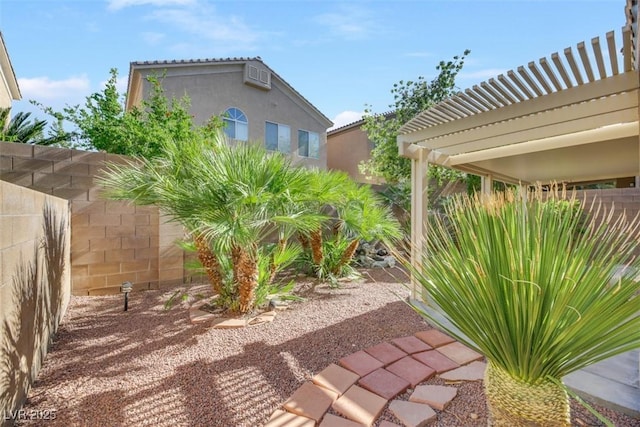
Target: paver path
x=359 y=386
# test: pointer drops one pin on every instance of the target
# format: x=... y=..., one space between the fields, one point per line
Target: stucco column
x=419 y=209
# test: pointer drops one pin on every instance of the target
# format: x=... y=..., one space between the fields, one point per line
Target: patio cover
x=564 y=121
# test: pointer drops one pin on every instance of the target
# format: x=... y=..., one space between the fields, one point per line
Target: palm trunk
x=346 y=256
x=304 y=241
x=245 y=276
x=513 y=403
x=210 y=262
x=336 y=228
x=316 y=247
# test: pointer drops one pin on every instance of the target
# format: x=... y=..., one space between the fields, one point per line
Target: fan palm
x=20 y=128
x=230 y=198
x=533 y=287
x=356 y=213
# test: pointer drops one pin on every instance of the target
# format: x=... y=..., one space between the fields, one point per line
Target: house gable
x=246 y=84
x=9 y=90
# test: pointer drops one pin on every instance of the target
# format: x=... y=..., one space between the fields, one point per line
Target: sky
x=342 y=56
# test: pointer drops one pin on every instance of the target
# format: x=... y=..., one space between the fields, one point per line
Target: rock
x=278 y=304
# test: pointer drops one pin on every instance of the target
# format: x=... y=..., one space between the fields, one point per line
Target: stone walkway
x=361 y=384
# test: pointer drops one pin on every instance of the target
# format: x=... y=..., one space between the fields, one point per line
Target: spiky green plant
x=532 y=284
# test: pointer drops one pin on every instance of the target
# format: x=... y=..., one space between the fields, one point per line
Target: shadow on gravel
x=257 y=379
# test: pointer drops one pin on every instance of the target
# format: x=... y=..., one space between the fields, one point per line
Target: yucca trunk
x=210 y=262
x=245 y=276
x=316 y=246
x=514 y=403
x=347 y=255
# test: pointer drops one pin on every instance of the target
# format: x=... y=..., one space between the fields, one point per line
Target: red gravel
x=152 y=367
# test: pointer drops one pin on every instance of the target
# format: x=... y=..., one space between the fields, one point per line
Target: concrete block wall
x=621 y=200
x=111 y=241
x=35 y=285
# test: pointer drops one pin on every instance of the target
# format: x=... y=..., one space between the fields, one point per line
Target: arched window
x=236 y=124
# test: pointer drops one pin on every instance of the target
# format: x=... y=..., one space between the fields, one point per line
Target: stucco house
x=9 y=90
x=347 y=147
x=256 y=103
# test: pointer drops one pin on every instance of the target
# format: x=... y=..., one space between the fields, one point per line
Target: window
x=277 y=137
x=308 y=144
x=236 y=124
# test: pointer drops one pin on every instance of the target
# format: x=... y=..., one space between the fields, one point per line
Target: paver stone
x=361 y=363
x=411 y=344
x=434 y=337
x=386 y=352
x=282 y=418
x=411 y=370
x=413 y=414
x=384 y=383
x=474 y=371
x=436 y=396
x=459 y=353
x=360 y=405
x=435 y=360
x=335 y=378
x=331 y=420
x=310 y=401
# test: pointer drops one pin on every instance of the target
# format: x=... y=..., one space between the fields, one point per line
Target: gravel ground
x=151 y=367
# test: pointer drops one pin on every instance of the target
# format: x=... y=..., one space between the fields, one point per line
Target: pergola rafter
x=567 y=118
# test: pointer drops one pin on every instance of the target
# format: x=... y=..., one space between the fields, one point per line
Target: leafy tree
x=20 y=128
x=103 y=124
x=410 y=98
x=536 y=287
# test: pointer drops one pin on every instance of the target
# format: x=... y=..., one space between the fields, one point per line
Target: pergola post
x=419 y=210
x=486 y=185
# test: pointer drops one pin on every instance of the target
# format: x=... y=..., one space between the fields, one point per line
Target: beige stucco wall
x=214 y=88
x=111 y=241
x=346 y=148
x=35 y=284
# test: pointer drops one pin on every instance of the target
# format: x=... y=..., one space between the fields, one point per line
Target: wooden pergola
x=572 y=117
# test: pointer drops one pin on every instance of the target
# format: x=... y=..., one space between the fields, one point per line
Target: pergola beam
x=623 y=82
x=551 y=143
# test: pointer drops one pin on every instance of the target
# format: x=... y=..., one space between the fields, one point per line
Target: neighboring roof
x=544 y=121
x=7 y=72
x=136 y=65
x=357 y=123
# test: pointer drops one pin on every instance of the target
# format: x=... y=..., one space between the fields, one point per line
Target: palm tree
x=531 y=284
x=20 y=129
x=356 y=213
x=230 y=198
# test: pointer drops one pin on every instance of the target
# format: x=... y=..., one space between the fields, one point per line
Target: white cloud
x=350 y=22
x=121 y=4
x=228 y=33
x=44 y=88
x=345 y=118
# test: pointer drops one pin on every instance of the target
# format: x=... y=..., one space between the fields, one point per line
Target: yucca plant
x=532 y=283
